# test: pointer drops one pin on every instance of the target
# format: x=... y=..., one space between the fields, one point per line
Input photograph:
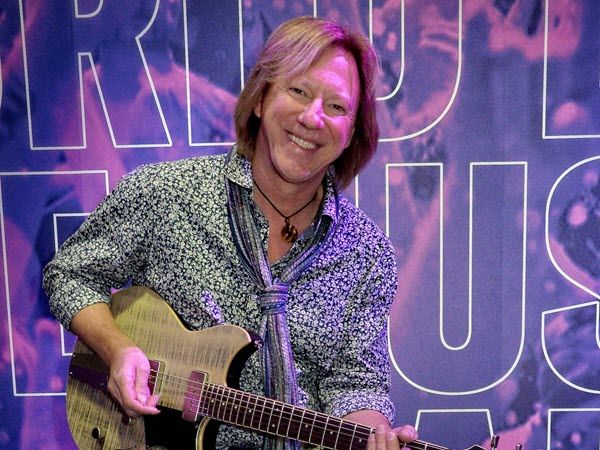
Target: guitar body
x=195 y=374
x=96 y=420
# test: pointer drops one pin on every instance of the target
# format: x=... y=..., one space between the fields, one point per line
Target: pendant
x=289 y=232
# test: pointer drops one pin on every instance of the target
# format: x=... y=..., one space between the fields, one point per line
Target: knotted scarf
x=280 y=372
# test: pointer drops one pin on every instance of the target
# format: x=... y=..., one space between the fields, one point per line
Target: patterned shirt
x=165 y=226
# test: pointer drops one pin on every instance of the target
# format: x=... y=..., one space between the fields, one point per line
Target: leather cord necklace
x=289 y=232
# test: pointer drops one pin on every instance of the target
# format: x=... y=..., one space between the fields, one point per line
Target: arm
x=357 y=385
x=129 y=367
x=107 y=250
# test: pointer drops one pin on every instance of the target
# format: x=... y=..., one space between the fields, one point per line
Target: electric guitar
x=193 y=373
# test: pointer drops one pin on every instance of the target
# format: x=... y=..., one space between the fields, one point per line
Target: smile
x=302 y=143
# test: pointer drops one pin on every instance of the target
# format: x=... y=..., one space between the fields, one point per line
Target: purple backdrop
x=487 y=180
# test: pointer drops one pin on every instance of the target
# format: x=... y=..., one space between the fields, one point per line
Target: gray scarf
x=278 y=360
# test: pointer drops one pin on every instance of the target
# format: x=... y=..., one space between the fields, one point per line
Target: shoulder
x=354 y=223
x=358 y=237
x=178 y=174
x=159 y=186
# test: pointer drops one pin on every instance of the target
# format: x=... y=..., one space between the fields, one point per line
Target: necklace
x=289 y=232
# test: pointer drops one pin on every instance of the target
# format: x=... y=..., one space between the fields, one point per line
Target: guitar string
x=357 y=433
x=206 y=388
x=221 y=413
x=341 y=424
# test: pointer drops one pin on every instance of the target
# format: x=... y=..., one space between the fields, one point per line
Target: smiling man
x=259 y=238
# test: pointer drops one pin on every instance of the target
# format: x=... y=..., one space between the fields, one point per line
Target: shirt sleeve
x=105 y=252
x=359 y=377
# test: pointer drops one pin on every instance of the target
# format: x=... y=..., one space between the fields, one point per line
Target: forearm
x=129 y=368
x=368 y=417
x=95 y=326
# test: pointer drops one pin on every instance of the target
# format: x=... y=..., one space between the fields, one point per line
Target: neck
x=287 y=197
x=287 y=221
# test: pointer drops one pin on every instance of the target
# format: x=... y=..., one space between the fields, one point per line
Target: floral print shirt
x=165 y=226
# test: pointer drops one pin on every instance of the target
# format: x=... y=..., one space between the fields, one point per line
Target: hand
x=128 y=382
x=386 y=439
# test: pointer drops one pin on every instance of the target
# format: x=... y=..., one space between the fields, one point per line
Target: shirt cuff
x=358 y=400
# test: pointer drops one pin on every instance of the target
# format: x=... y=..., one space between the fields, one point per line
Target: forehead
x=334 y=72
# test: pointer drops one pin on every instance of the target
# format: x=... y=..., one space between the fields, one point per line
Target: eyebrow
x=309 y=84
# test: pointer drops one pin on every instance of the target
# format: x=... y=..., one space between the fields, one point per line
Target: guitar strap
x=278 y=360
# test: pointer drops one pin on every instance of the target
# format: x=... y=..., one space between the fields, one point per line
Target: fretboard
x=270 y=416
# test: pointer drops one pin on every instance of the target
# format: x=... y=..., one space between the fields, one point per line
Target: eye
x=337 y=109
x=297 y=91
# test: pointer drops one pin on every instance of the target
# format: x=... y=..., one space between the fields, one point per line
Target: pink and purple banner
x=486 y=179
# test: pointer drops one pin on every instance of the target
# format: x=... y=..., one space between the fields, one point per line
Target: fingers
x=406 y=433
x=128 y=383
x=142 y=392
x=385 y=439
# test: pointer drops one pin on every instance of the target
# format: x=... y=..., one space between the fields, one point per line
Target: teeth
x=301 y=142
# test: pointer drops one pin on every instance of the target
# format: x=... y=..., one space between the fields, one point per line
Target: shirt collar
x=239 y=170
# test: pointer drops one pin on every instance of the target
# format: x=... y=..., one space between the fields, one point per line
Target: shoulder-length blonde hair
x=290 y=50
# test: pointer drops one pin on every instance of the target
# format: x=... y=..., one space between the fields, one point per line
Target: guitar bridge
x=156 y=376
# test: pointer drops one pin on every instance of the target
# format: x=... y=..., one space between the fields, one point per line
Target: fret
x=353 y=436
x=347 y=438
x=238 y=406
x=262 y=413
x=222 y=407
x=280 y=412
x=203 y=406
x=337 y=435
x=212 y=406
x=233 y=406
x=254 y=408
x=214 y=403
x=300 y=423
x=311 y=430
x=228 y=403
x=324 y=431
x=290 y=420
x=217 y=402
x=363 y=434
x=270 y=424
x=246 y=410
x=224 y=404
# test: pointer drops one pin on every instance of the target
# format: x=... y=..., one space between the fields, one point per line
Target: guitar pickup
x=89 y=369
x=193 y=396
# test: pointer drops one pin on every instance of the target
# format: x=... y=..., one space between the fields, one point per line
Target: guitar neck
x=273 y=417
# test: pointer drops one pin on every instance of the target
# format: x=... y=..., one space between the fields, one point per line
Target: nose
x=312 y=115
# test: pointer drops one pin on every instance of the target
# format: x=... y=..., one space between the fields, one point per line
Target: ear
x=350 y=136
x=258 y=107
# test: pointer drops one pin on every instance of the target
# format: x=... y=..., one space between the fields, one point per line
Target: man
x=247 y=237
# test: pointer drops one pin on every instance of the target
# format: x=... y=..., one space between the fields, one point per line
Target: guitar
x=192 y=372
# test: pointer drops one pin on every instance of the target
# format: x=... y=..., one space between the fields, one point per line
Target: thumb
x=141 y=384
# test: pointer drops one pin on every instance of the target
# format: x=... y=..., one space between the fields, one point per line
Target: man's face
x=308 y=120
